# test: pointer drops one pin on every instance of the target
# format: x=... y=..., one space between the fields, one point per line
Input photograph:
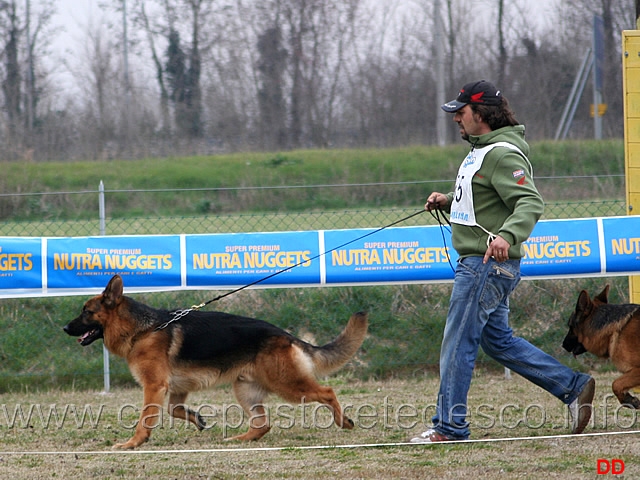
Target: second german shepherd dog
x=204 y=349
x=608 y=331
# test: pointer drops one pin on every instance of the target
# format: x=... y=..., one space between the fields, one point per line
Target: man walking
x=493 y=209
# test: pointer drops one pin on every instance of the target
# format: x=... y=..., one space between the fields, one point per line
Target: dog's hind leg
x=623 y=384
x=307 y=390
x=296 y=385
x=178 y=409
x=251 y=396
x=290 y=376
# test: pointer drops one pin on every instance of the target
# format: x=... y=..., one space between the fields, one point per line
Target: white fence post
x=105 y=352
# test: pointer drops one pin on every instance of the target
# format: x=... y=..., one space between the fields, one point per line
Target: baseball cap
x=480 y=93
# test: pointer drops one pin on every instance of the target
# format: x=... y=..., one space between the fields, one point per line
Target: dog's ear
x=603 y=296
x=584 y=304
x=113 y=292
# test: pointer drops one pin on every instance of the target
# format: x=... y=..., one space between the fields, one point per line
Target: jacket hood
x=513 y=135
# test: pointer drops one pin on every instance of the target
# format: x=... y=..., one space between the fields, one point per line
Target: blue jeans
x=479 y=316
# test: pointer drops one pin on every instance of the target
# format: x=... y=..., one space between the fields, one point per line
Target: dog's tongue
x=84 y=336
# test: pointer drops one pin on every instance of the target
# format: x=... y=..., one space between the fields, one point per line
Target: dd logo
x=613 y=467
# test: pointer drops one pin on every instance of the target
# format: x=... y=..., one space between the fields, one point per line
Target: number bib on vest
x=462 y=208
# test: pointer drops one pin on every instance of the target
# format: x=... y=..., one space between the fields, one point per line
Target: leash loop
x=442 y=219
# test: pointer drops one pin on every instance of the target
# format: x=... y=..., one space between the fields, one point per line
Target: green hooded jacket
x=505 y=198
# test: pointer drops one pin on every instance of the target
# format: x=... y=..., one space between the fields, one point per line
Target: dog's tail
x=333 y=355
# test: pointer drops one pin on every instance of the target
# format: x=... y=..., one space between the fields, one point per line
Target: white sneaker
x=431 y=436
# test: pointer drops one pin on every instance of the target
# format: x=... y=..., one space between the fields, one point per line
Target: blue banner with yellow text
x=563 y=248
x=89 y=262
x=20 y=263
x=602 y=246
x=236 y=259
x=401 y=254
x=622 y=243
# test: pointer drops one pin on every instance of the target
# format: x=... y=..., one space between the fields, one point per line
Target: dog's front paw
x=348 y=423
x=124 y=446
x=630 y=401
x=129 y=444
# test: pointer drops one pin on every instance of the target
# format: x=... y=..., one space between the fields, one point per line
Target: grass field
x=303 y=444
x=390 y=385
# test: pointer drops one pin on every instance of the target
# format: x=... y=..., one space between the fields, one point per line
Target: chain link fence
x=272 y=222
x=77 y=214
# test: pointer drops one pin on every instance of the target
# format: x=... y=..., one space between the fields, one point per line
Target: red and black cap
x=479 y=93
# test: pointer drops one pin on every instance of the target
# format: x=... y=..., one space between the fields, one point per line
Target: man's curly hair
x=496 y=116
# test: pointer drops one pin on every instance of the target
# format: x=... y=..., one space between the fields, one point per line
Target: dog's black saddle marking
x=221 y=339
x=612 y=313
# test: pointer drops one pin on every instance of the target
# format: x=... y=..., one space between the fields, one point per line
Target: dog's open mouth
x=90 y=337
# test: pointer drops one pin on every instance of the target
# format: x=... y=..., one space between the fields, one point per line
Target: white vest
x=462 y=208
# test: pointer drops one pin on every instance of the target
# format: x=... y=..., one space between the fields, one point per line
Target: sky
x=74 y=16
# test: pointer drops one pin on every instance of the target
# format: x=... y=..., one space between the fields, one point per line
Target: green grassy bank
x=268 y=182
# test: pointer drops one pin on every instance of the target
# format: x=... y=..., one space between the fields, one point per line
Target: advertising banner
x=236 y=259
x=90 y=262
x=20 y=263
x=408 y=254
x=622 y=243
x=563 y=248
x=79 y=265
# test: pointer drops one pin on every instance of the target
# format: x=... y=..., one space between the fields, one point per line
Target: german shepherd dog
x=608 y=331
x=204 y=349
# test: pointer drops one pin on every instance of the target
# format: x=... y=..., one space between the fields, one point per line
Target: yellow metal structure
x=602 y=109
x=631 y=92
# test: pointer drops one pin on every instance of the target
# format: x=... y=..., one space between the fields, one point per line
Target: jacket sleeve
x=513 y=181
x=449 y=196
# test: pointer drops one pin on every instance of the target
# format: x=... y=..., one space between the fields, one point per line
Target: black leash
x=178 y=314
x=437 y=217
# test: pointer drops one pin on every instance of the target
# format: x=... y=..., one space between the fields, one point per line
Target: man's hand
x=498 y=249
x=436 y=200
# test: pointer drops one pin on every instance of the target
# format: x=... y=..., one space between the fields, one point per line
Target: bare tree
x=237 y=74
x=152 y=31
x=193 y=97
x=271 y=67
x=166 y=24
x=177 y=78
x=316 y=33
x=12 y=82
x=97 y=75
x=502 y=49
x=23 y=29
